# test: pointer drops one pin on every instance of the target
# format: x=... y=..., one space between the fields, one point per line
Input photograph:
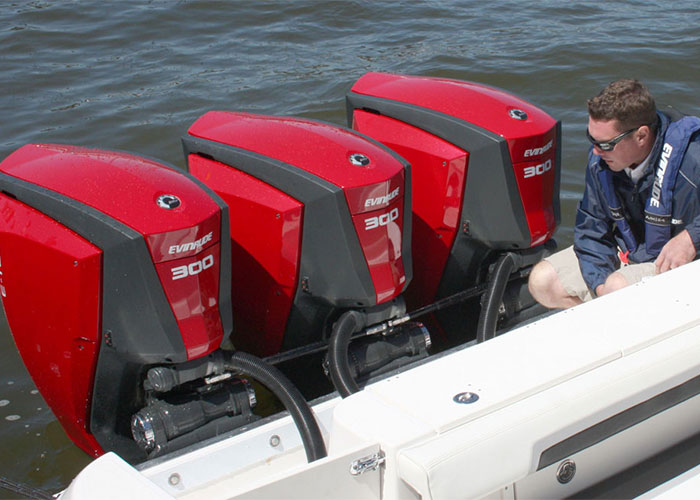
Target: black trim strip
x=652 y=472
x=619 y=422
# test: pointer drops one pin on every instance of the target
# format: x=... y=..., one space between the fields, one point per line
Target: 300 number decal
x=381 y=220
x=197 y=267
x=538 y=169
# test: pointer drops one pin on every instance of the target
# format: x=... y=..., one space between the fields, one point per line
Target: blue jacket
x=596 y=235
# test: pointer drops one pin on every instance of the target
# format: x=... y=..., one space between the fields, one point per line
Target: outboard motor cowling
x=320 y=231
x=112 y=265
x=485 y=168
x=320 y=223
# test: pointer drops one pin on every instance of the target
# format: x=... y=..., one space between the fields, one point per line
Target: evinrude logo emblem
x=193 y=245
x=168 y=201
x=518 y=114
x=660 y=172
x=370 y=202
x=359 y=159
x=538 y=151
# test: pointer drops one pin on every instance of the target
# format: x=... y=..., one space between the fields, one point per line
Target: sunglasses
x=609 y=145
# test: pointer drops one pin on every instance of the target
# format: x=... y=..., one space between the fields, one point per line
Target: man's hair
x=628 y=101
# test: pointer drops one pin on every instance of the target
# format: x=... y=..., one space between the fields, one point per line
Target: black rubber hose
x=290 y=397
x=486 y=329
x=338 y=365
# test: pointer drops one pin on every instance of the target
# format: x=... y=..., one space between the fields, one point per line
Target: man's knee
x=542 y=279
x=614 y=281
x=546 y=287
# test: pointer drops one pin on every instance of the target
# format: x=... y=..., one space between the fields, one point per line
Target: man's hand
x=678 y=251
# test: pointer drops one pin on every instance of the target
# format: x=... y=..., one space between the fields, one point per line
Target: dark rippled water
x=133 y=76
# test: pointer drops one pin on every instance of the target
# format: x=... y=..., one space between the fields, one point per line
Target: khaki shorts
x=566 y=265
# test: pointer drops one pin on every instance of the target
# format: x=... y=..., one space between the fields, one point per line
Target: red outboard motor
x=485 y=168
x=115 y=278
x=319 y=227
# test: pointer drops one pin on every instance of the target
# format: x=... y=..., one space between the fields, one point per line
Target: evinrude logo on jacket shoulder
x=660 y=172
x=538 y=151
x=380 y=200
x=193 y=245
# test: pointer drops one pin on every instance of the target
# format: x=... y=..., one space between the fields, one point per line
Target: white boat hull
x=599 y=388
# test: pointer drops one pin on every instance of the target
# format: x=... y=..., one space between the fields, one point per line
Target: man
x=640 y=212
